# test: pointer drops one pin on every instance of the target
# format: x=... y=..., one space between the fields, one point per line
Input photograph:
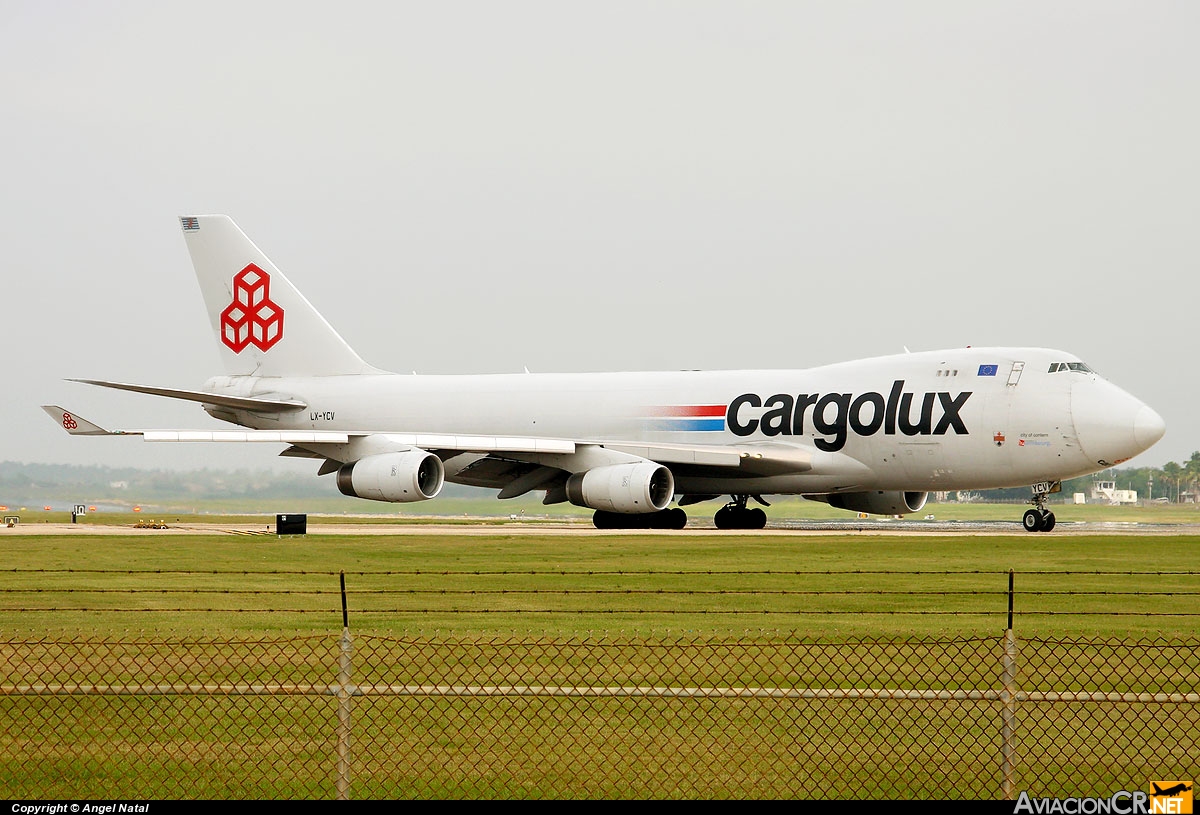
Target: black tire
x=605 y=520
x=1047 y=521
x=725 y=518
x=663 y=519
x=755 y=519
x=1032 y=521
x=678 y=518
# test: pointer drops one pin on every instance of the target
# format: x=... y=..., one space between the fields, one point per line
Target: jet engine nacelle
x=878 y=502
x=414 y=475
x=642 y=486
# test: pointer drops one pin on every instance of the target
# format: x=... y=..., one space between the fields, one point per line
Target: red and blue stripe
x=687 y=418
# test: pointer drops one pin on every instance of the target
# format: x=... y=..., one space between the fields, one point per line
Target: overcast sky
x=483 y=186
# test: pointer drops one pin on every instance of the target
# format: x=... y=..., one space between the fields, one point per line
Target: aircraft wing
x=756 y=459
x=748 y=459
x=76 y=425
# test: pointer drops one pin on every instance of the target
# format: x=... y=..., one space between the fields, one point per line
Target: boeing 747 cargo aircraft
x=873 y=435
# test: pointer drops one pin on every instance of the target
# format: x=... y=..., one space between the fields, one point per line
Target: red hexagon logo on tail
x=252 y=318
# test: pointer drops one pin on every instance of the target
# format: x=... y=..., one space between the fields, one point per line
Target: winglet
x=75 y=424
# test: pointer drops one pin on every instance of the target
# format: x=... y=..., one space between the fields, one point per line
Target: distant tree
x=1191 y=474
x=1171 y=475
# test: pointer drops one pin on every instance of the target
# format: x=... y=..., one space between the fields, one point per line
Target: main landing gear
x=735 y=515
x=663 y=519
x=1040 y=519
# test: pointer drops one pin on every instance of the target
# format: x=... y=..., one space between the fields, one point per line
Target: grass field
x=522 y=582
x=527 y=509
x=455 y=604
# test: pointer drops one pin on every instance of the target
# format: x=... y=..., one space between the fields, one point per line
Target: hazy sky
x=483 y=186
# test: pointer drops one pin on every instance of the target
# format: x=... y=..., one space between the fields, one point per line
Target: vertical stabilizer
x=263 y=324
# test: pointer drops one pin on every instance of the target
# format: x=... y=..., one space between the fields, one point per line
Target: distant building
x=1107 y=492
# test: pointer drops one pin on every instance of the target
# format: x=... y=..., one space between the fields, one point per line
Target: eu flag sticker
x=988 y=370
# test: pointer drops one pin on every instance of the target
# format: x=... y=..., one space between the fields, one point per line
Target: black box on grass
x=291 y=524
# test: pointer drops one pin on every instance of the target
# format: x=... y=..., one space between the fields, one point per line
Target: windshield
x=1056 y=367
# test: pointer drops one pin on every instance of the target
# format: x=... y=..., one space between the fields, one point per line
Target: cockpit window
x=1055 y=367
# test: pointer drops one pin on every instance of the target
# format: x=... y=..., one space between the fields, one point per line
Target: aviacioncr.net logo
x=1164 y=798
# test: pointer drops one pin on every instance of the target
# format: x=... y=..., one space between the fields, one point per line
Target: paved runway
x=493 y=526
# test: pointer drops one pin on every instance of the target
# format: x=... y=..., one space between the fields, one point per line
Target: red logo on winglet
x=252 y=318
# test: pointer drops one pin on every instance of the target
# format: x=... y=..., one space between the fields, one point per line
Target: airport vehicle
x=873 y=435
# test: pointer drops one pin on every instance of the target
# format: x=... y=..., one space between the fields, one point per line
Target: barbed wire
x=602 y=572
x=609 y=612
x=615 y=592
x=21 y=596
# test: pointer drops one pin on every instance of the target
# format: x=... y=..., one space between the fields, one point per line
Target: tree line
x=1176 y=482
x=21 y=482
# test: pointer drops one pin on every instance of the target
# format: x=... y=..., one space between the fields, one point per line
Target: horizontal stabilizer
x=259 y=403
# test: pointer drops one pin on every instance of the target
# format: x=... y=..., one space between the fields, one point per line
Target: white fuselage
x=968 y=418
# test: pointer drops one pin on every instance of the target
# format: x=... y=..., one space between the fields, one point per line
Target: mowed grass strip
x=527 y=583
x=486 y=510
x=637 y=610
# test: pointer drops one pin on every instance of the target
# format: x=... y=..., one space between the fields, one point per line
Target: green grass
x=486 y=510
x=521 y=582
x=507 y=603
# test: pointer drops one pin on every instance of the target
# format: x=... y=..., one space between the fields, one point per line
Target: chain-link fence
x=377 y=715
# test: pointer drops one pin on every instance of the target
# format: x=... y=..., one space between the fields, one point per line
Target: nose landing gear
x=1040 y=519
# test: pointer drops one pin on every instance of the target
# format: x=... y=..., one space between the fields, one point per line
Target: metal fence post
x=343 y=694
x=1008 y=701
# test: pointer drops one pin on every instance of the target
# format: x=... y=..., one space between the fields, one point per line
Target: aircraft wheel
x=755 y=519
x=663 y=519
x=678 y=518
x=604 y=520
x=1032 y=521
x=1047 y=521
x=725 y=518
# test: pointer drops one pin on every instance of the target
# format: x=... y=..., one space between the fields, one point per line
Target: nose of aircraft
x=1111 y=425
x=1148 y=428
